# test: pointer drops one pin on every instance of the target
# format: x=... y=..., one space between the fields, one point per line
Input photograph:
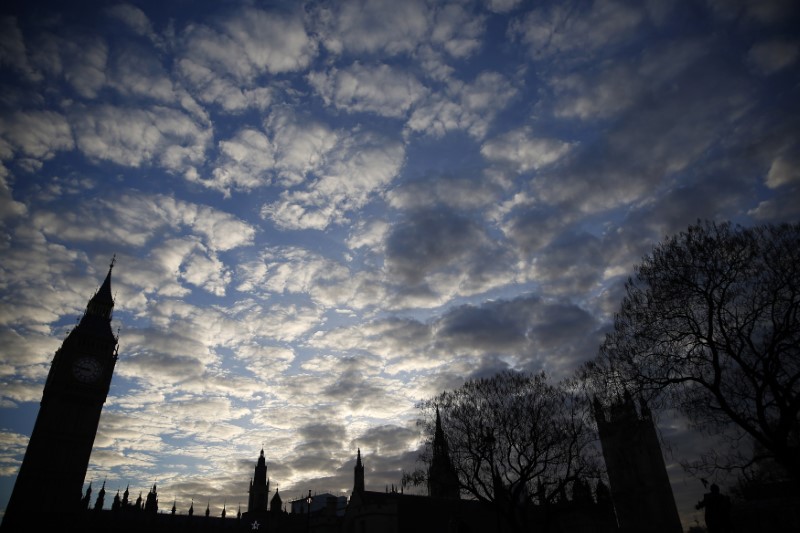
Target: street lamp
x=308 y=510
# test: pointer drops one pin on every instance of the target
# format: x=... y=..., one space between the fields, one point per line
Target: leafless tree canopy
x=516 y=439
x=709 y=325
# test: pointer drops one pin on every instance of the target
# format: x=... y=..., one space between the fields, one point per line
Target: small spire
x=99 y=309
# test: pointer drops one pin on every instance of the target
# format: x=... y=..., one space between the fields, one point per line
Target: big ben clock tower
x=50 y=480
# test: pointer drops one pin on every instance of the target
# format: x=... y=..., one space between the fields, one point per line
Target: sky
x=325 y=212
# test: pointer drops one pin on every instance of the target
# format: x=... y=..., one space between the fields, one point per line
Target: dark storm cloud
x=533 y=332
x=572 y=264
x=352 y=386
x=428 y=241
x=466 y=190
x=321 y=437
x=433 y=253
x=534 y=227
x=496 y=326
x=387 y=440
x=647 y=144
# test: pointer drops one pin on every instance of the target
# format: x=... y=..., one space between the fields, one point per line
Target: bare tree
x=515 y=440
x=709 y=325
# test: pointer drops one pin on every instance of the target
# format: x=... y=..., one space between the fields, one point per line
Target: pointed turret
x=259 y=487
x=87 y=497
x=97 y=317
x=102 y=303
x=358 y=484
x=101 y=496
x=276 y=503
x=151 y=505
x=442 y=477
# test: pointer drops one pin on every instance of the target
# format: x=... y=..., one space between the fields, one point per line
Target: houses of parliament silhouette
x=48 y=492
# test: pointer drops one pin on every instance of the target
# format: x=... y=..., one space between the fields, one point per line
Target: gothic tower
x=61 y=442
x=358 y=484
x=442 y=477
x=259 y=487
x=151 y=503
x=640 y=487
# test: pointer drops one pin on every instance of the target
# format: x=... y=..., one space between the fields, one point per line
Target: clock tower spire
x=61 y=442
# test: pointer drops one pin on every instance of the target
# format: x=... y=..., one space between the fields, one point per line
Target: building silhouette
x=61 y=442
x=640 y=487
x=56 y=460
x=259 y=487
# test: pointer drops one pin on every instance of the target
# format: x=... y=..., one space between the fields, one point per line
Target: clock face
x=86 y=369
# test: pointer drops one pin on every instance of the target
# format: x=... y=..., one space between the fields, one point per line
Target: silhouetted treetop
x=709 y=325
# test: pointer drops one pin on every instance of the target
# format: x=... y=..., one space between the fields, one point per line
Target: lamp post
x=308 y=510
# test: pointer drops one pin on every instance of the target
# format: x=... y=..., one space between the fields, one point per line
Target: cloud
x=135 y=71
x=9 y=208
x=271 y=41
x=784 y=170
x=360 y=166
x=37 y=134
x=611 y=91
x=465 y=190
x=749 y=13
x=559 y=30
x=134 y=218
x=209 y=87
x=292 y=149
x=135 y=137
x=768 y=57
x=524 y=152
x=250 y=42
x=245 y=162
x=368 y=234
x=501 y=6
x=433 y=255
x=527 y=332
x=469 y=107
x=78 y=59
x=457 y=30
x=198 y=266
x=135 y=19
x=13 y=51
x=428 y=241
x=373 y=26
x=378 y=89
x=648 y=145
x=223 y=64
x=292 y=270
x=302 y=145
